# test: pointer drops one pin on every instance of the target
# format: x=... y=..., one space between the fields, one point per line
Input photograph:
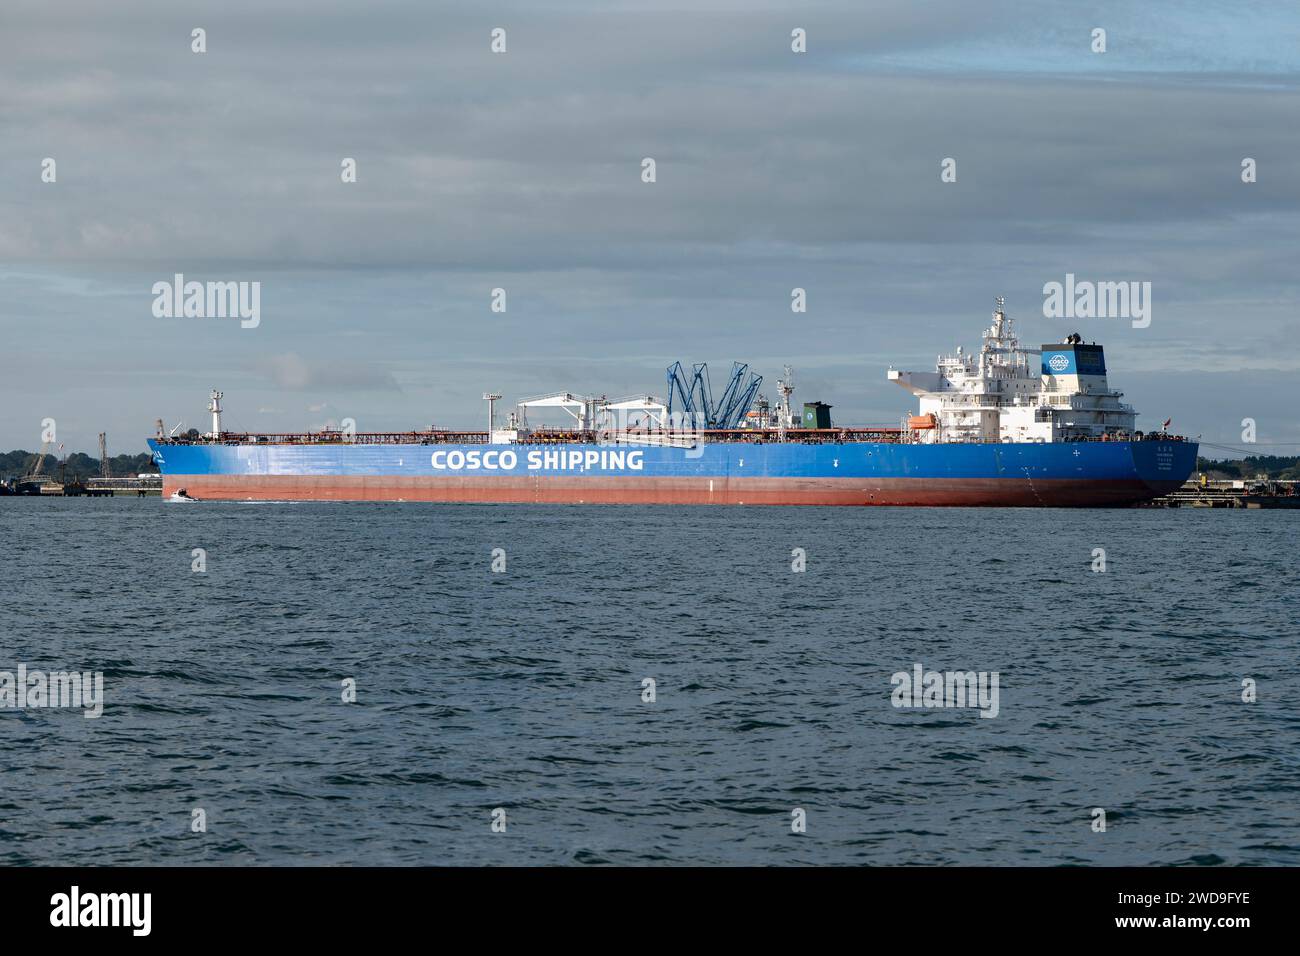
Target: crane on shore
x=38 y=463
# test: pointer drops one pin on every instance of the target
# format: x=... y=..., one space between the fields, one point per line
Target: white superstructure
x=214 y=406
x=1007 y=393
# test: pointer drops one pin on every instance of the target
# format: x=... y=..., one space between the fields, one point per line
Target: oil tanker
x=1003 y=426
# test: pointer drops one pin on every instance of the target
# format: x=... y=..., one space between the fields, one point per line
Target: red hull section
x=978 y=492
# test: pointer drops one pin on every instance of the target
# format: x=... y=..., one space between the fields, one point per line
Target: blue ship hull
x=1070 y=474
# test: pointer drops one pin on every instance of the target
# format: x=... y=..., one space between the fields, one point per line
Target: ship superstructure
x=1006 y=392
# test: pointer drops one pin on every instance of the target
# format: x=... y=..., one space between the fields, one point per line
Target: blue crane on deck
x=693 y=395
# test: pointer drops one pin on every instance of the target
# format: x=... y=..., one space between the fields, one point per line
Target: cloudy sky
x=522 y=171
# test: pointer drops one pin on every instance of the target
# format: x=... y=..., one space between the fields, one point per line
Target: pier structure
x=49 y=486
x=1200 y=492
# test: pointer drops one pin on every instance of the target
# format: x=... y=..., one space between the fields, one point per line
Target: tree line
x=17 y=463
x=1277 y=467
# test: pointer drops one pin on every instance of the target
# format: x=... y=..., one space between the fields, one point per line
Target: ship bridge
x=1007 y=392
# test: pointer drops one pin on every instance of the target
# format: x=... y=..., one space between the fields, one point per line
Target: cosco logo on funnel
x=473 y=460
x=1058 y=363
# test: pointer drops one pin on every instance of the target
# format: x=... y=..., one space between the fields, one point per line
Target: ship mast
x=214 y=406
x=492 y=398
x=786 y=387
x=1002 y=336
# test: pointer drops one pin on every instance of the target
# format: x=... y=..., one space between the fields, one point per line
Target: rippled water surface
x=523 y=689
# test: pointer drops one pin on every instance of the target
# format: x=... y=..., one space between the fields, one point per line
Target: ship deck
x=554 y=436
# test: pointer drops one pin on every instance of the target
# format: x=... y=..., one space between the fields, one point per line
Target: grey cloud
x=289 y=371
x=522 y=171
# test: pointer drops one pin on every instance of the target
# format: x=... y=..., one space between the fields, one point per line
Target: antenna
x=1003 y=327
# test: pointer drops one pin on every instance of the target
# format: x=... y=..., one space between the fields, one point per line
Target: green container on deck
x=816 y=415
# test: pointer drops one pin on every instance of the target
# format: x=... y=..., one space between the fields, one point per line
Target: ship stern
x=1164 y=466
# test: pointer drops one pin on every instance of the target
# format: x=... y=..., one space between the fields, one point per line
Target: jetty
x=1202 y=492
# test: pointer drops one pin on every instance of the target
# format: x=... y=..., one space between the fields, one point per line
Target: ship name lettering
x=458 y=460
x=560 y=459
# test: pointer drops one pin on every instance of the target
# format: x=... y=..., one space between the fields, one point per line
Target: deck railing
x=548 y=436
